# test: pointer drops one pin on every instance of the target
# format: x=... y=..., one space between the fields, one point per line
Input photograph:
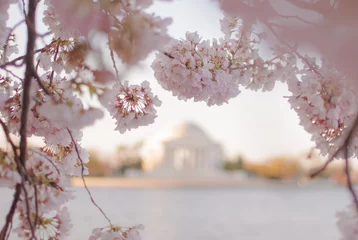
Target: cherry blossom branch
x=28 y=211
x=54 y=59
x=13 y=62
x=44 y=34
x=39 y=82
x=347 y=140
x=48 y=159
x=113 y=61
x=29 y=59
x=318 y=171
x=23 y=173
x=338 y=150
x=312 y=6
x=13 y=74
x=296 y=17
x=84 y=181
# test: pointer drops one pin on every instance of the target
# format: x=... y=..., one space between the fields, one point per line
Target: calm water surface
x=270 y=213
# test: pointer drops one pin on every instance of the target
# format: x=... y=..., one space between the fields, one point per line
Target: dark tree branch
x=29 y=60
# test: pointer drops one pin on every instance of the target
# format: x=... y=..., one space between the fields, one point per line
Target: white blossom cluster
x=132 y=105
x=324 y=104
x=196 y=69
x=212 y=72
x=117 y=233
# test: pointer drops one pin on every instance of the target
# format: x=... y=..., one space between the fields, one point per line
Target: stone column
x=197 y=159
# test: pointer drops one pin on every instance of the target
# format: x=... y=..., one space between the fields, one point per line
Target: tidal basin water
x=270 y=213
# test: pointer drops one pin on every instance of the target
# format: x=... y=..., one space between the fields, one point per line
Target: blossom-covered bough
x=43 y=92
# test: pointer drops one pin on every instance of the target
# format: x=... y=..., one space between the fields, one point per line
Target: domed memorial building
x=186 y=151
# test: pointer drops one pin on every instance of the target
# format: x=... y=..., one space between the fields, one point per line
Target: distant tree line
x=280 y=167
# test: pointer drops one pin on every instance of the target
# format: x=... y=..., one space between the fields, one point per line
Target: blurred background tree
x=128 y=158
x=97 y=166
x=237 y=164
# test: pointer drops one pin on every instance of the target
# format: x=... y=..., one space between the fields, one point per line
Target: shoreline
x=116 y=182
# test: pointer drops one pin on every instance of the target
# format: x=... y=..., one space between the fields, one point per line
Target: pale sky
x=254 y=124
x=257 y=125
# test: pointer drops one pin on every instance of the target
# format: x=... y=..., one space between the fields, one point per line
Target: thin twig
x=39 y=82
x=13 y=74
x=168 y=55
x=83 y=179
x=48 y=159
x=36 y=206
x=23 y=7
x=15 y=60
x=54 y=59
x=298 y=18
x=318 y=171
x=345 y=144
x=308 y=63
x=113 y=60
x=44 y=34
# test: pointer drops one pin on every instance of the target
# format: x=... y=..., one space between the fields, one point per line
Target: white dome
x=190 y=133
x=186 y=133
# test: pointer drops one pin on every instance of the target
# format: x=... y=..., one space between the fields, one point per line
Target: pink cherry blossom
x=325 y=105
x=117 y=232
x=139 y=34
x=132 y=105
x=195 y=69
x=52 y=226
x=75 y=17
